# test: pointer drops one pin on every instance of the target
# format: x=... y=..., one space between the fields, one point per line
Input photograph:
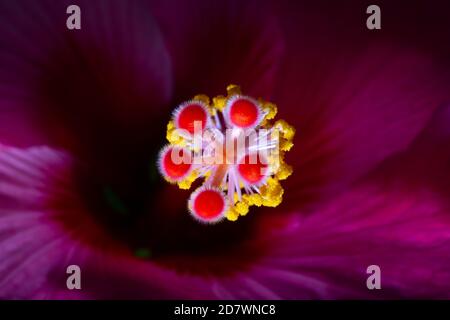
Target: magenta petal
x=397 y=218
x=29 y=246
x=385 y=220
x=214 y=44
x=111 y=75
x=356 y=97
x=44 y=228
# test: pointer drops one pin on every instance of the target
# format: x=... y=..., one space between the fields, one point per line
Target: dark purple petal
x=213 y=44
x=82 y=89
x=356 y=96
x=47 y=223
x=101 y=93
x=44 y=228
x=397 y=218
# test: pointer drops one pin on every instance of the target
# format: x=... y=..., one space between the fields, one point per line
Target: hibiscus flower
x=83 y=115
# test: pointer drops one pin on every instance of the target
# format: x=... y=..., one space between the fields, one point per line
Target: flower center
x=218 y=133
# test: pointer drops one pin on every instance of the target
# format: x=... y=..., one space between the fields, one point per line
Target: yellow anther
x=172 y=135
x=232 y=215
x=288 y=131
x=203 y=98
x=272 y=193
x=284 y=171
x=233 y=90
x=253 y=199
x=270 y=109
x=186 y=183
x=286 y=145
x=219 y=102
x=241 y=208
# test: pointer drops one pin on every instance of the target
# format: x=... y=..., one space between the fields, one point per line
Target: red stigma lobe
x=176 y=163
x=252 y=169
x=190 y=113
x=244 y=113
x=208 y=205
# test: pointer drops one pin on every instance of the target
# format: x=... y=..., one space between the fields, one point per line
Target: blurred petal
x=394 y=219
x=29 y=245
x=46 y=225
x=357 y=100
x=44 y=228
x=397 y=218
x=356 y=96
x=80 y=88
x=213 y=44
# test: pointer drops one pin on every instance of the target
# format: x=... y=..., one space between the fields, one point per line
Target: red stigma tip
x=207 y=205
x=190 y=112
x=243 y=112
x=252 y=169
x=175 y=163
